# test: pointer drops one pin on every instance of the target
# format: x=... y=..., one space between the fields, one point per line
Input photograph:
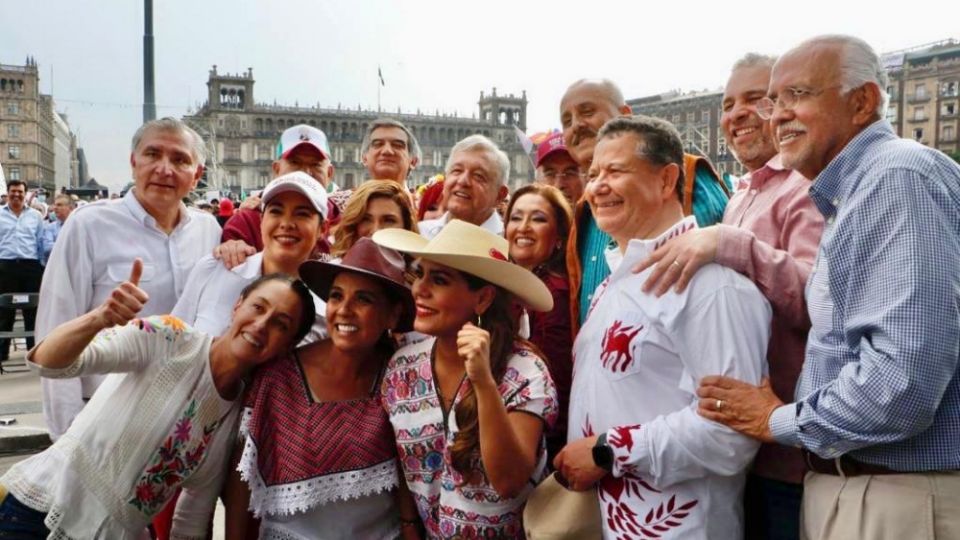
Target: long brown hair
x=345 y=234
x=499 y=321
x=563 y=215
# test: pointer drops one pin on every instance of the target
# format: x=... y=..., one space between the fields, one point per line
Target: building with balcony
x=36 y=144
x=925 y=93
x=243 y=134
x=696 y=116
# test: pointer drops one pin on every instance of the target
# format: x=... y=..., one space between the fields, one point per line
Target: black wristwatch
x=603 y=454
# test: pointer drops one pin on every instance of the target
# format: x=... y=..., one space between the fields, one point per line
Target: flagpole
x=379 y=84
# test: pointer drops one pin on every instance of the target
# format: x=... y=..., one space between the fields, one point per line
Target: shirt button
x=753 y=191
x=836 y=202
x=589 y=297
x=593 y=259
x=830 y=220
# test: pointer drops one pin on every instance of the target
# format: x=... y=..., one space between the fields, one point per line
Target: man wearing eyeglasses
x=770 y=232
x=557 y=168
x=877 y=410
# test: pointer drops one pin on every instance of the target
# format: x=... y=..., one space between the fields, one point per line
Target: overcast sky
x=434 y=54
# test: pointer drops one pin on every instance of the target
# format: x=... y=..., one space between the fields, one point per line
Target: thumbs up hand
x=125 y=301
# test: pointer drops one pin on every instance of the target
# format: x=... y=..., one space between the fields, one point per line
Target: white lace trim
x=288 y=499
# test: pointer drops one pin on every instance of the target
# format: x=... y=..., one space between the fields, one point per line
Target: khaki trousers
x=913 y=506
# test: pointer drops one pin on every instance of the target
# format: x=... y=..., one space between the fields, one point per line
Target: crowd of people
x=630 y=344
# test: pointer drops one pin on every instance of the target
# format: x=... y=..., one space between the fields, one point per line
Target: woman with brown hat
x=470 y=404
x=318 y=452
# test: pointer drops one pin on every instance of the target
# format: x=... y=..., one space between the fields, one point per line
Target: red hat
x=550 y=146
x=226 y=207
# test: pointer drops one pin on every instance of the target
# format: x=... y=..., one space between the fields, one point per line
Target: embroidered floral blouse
x=156 y=425
x=447 y=507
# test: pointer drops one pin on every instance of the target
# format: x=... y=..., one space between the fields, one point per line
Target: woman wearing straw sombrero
x=470 y=404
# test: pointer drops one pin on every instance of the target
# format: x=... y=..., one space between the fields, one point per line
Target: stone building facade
x=925 y=93
x=242 y=134
x=696 y=116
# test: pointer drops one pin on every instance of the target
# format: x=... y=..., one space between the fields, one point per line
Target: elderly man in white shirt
x=97 y=245
x=634 y=432
x=476 y=181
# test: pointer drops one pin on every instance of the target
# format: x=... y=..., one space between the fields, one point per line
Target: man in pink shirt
x=770 y=232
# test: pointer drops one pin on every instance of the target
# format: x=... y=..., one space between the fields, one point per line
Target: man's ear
x=502 y=193
x=414 y=161
x=275 y=166
x=865 y=100
x=625 y=110
x=669 y=175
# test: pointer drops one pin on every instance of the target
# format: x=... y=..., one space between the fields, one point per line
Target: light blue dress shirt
x=879 y=380
x=20 y=236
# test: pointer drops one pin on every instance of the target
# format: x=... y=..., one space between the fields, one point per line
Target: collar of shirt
x=759 y=177
x=639 y=249
x=493 y=223
x=828 y=188
x=140 y=213
x=250 y=269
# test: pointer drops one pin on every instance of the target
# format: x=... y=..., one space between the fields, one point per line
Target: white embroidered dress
x=160 y=427
x=638 y=362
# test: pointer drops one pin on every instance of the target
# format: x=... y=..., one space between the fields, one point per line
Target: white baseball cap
x=303 y=134
x=303 y=184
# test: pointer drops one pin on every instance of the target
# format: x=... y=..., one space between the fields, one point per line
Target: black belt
x=844 y=466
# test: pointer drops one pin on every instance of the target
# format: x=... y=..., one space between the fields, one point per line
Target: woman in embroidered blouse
x=538 y=221
x=319 y=456
x=470 y=404
x=375 y=205
x=167 y=419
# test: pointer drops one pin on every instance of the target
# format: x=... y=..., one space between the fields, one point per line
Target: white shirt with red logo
x=638 y=362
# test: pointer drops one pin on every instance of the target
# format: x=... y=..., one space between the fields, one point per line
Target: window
x=949 y=109
x=918 y=134
x=691 y=117
x=705 y=116
x=14 y=173
x=232 y=150
x=921 y=90
x=13 y=151
x=948 y=134
x=232 y=179
x=919 y=113
x=891 y=114
x=264 y=178
x=949 y=89
x=13 y=107
x=13 y=131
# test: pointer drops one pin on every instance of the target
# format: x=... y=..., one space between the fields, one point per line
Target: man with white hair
x=877 y=407
x=476 y=181
x=99 y=242
x=770 y=233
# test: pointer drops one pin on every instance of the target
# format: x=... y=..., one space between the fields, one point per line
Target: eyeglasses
x=554 y=176
x=787 y=100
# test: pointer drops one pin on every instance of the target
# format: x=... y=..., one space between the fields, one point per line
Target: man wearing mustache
x=770 y=233
x=584 y=108
x=877 y=405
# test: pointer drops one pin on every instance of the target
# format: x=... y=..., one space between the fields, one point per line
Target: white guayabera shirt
x=92 y=256
x=638 y=362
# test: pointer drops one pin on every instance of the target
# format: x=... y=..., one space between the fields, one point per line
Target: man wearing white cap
x=302 y=148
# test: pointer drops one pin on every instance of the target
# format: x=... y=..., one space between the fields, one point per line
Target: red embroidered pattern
x=616 y=355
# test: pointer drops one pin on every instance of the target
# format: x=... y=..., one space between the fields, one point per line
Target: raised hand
x=233 y=253
x=125 y=301
x=473 y=345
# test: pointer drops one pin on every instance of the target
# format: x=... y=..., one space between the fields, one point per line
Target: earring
x=479 y=321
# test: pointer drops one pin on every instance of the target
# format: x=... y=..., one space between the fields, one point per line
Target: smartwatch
x=603 y=454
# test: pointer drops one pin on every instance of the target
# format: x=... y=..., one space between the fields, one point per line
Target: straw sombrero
x=476 y=251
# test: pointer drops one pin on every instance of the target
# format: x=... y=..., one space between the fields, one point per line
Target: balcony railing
x=918 y=118
x=949 y=92
x=950 y=139
x=945 y=114
x=918 y=98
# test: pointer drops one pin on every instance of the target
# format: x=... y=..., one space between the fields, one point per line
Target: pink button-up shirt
x=770 y=233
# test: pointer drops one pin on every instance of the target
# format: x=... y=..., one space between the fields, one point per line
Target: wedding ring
x=677 y=263
x=719 y=404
